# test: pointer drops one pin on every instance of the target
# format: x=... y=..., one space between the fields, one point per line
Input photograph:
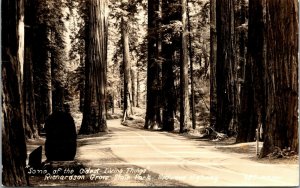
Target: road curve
x=138 y=157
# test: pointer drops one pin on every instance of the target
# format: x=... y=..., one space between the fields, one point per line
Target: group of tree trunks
x=162 y=56
x=31 y=67
x=268 y=79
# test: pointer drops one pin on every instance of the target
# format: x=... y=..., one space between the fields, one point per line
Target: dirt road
x=159 y=158
x=135 y=157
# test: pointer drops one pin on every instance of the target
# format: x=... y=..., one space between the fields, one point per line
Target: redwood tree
x=13 y=136
x=281 y=75
x=225 y=67
x=94 y=115
x=213 y=63
x=127 y=109
x=171 y=45
x=30 y=123
x=184 y=76
x=252 y=88
x=153 y=67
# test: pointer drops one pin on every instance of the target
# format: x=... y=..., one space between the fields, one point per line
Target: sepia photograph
x=149 y=93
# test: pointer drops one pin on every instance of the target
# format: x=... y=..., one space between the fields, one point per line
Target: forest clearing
x=150 y=92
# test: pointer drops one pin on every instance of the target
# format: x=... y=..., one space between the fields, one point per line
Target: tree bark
x=138 y=88
x=94 y=115
x=192 y=69
x=241 y=48
x=225 y=68
x=281 y=75
x=127 y=111
x=13 y=135
x=133 y=82
x=252 y=87
x=242 y=38
x=213 y=63
x=169 y=105
x=170 y=12
x=184 y=76
x=31 y=130
x=81 y=87
x=153 y=118
x=48 y=84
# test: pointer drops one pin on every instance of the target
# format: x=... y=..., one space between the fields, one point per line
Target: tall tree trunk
x=184 y=76
x=48 y=85
x=113 y=94
x=169 y=93
x=81 y=87
x=213 y=64
x=13 y=136
x=46 y=76
x=281 y=75
x=234 y=82
x=133 y=88
x=127 y=111
x=31 y=130
x=242 y=39
x=225 y=68
x=42 y=72
x=94 y=115
x=169 y=46
x=137 y=88
x=252 y=89
x=153 y=118
x=57 y=70
x=192 y=69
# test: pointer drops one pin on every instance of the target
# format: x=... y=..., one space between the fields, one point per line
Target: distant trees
x=94 y=114
x=78 y=36
x=171 y=32
x=126 y=56
x=164 y=53
x=48 y=56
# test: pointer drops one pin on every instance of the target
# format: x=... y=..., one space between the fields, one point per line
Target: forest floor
x=131 y=156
